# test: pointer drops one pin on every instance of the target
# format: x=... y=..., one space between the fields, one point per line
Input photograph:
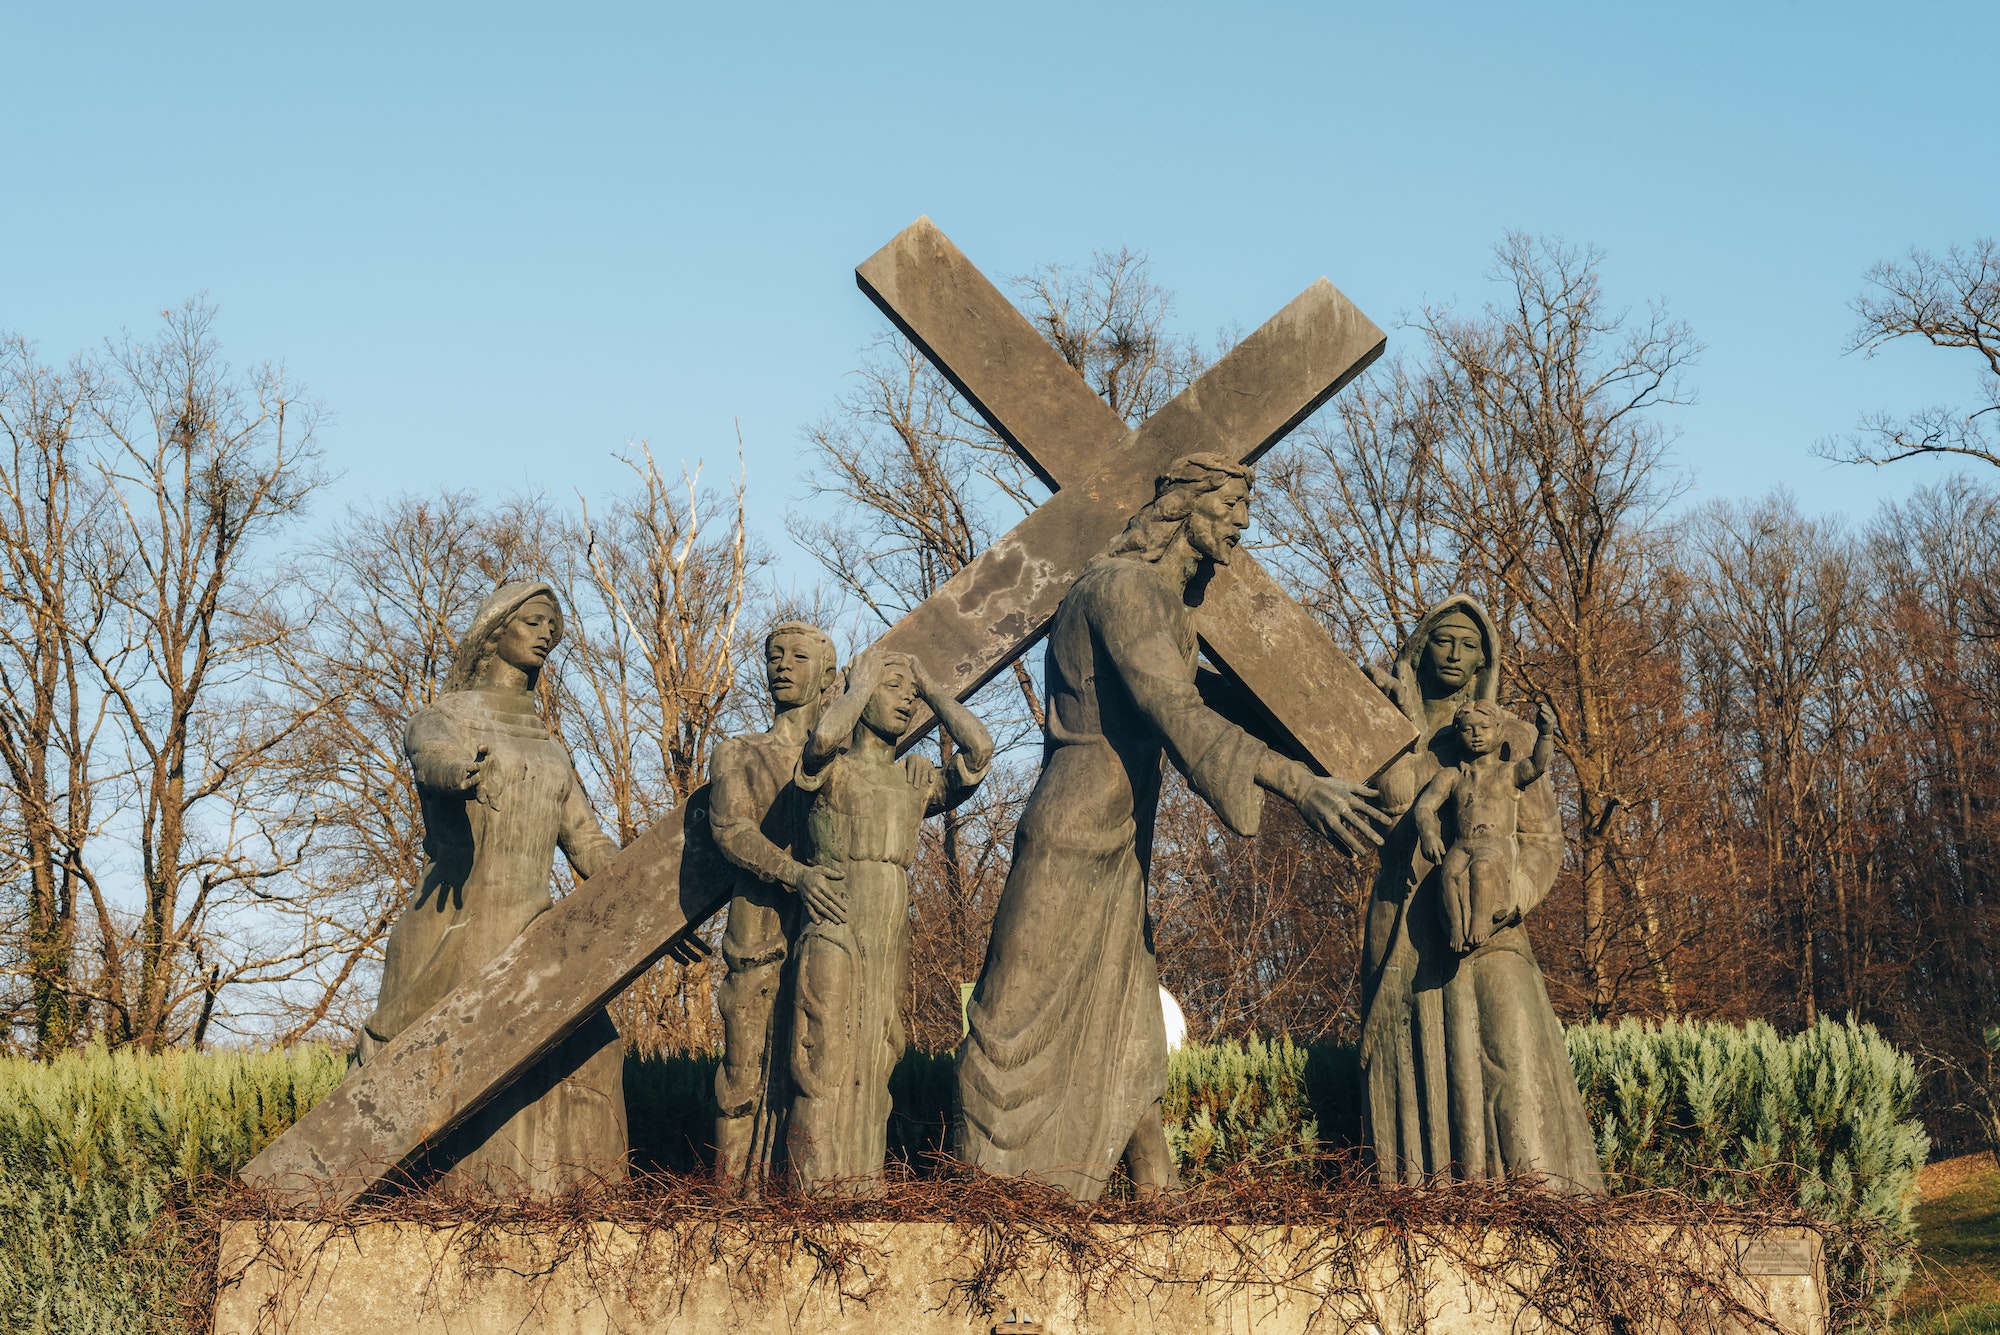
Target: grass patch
x=1956 y=1288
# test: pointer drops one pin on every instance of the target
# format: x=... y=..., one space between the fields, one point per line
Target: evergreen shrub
x=1822 y=1116
x=97 y=1151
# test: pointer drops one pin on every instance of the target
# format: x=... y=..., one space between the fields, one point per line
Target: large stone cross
x=1304 y=695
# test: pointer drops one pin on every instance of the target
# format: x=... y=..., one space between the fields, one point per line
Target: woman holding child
x=1462 y=1057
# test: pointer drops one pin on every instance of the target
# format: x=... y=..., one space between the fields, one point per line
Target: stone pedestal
x=928 y=1279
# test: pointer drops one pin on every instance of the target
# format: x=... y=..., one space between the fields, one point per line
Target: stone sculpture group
x=807 y=830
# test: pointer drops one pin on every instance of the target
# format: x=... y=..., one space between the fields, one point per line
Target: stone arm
x=441 y=757
x=973 y=756
x=1539 y=839
x=1430 y=832
x=579 y=836
x=1536 y=763
x=974 y=742
x=736 y=814
x=1133 y=622
x=835 y=728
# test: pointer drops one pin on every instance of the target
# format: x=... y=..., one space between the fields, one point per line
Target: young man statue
x=754 y=813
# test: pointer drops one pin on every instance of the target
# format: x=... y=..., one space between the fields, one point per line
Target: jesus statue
x=1065 y=1062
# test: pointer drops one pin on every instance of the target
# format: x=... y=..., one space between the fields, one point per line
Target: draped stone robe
x=488 y=856
x=847 y=1033
x=1462 y=1057
x=1067 y=1049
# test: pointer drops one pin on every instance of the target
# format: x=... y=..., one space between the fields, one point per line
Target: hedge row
x=98 y=1150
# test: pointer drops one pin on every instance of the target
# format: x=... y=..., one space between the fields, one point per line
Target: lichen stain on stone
x=996 y=574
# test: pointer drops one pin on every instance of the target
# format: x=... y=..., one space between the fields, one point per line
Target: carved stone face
x=1480 y=734
x=529 y=636
x=795 y=669
x=889 y=710
x=1453 y=653
x=1216 y=527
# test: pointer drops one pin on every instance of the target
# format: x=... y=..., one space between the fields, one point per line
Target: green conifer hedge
x=100 y=1153
x=96 y=1150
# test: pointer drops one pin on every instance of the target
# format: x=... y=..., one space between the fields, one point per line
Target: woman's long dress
x=1066 y=1049
x=847 y=1026
x=486 y=877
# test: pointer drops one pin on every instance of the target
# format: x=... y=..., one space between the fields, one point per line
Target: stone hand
x=1431 y=846
x=1457 y=912
x=1339 y=810
x=469 y=781
x=1545 y=721
x=821 y=890
x=864 y=674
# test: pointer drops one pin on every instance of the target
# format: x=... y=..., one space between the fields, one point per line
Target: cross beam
x=575 y=958
x=992 y=611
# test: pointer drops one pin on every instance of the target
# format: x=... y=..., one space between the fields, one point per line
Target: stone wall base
x=286 y=1278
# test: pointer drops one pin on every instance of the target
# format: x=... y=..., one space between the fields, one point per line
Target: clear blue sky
x=508 y=238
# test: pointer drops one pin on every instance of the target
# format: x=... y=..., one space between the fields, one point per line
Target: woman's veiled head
x=518 y=624
x=1452 y=655
x=1453 y=652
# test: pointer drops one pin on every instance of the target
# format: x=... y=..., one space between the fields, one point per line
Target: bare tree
x=204 y=464
x=659 y=589
x=1949 y=301
x=1353 y=504
x=1776 y=615
x=51 y=535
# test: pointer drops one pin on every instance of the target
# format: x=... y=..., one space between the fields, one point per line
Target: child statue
x=1484 y=790
x=865 y=809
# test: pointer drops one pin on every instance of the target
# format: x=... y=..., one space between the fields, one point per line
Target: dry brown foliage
x=1658 y=1261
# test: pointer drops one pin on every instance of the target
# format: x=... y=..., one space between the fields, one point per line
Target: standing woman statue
x=499 y=797
x=1065 y=1064
x=862 y=822
x=1462 y=1056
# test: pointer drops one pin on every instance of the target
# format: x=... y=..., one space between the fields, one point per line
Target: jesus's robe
x=1066 y=1050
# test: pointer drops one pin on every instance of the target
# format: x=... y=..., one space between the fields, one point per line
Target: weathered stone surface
x=995 y=608
x=1323 y=705
x=912 y=1279
x=558 y=973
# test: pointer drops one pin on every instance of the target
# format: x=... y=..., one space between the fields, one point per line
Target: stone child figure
x=865 y=810
x=754 y=814
x=1484 y=792
x=500 y=796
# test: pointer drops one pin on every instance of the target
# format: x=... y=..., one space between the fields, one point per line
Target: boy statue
x=753 y=814
x=1484 y=791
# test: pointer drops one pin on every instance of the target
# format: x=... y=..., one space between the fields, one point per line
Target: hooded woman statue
x=499 y=797
x=1462 y=1057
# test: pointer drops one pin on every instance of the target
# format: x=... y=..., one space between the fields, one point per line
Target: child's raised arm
x=1536 y=764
